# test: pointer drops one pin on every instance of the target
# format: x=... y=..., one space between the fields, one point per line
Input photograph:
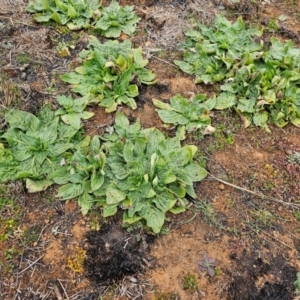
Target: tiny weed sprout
x=207 y=264
x=208 y=213
x=294 y=158
x=297 y=284
x=263 y=217
x=190 y=282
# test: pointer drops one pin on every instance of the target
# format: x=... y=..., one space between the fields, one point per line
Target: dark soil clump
x=260 y=280
x=114 y=253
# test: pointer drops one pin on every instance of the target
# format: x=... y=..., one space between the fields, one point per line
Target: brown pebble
x=221 y=187
x=46 y=221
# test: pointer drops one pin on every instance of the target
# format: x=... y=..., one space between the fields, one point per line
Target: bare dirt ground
x=247 y=218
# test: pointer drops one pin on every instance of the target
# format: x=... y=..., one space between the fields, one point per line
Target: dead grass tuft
x=165 y=24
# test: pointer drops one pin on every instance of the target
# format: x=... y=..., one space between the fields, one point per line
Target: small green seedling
x=190 y=282
x=297 y=284
x=263 y=216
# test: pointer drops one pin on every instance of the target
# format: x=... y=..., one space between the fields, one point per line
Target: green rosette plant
x=109 y=73
x=34 y=146
x=72 y=111
x=211 y=53
x=115 y=19
x=148 y=174
x=261 y=83
x=82 y=175
x=76 y=14
x=187 y=114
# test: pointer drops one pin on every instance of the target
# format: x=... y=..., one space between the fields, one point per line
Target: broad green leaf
x=172 y=117
x=72 y=13
x=177 y=189
x=109 y=210
x=246 y=105
x=58 y=149
x=61 y=5
x=114 y=196
x=184 y=155
x=44 y=18
x=121 y=120
x=72 y=119
x=65 y=101
x=178 y=209
x=85 y=202
x=295 y=121
x=130 y=219
x=132 y=90
x=225 y=100
x=60 y=176
x=97 y=180
x=154 y=218
x=34 y=186
x=86 y=115
x=119 y=170
x=21 y=119
x=161 y=104
x=72 y=77
x=69 y=191
x=260 y=119
x=58 y=18
x=184 y=66
x=195 y=172
x=190 y=191
x=164 y=201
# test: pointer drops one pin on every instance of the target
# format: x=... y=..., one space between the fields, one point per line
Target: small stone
x=83 y=223
x=221 y=187
x=46 y=221
x=24 y=67
x=35 y=244
x=23 y=75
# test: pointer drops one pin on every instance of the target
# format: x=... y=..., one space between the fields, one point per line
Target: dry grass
x=165 y=24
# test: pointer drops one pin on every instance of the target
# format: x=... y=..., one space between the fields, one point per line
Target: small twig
x=46 y=295
x=63 y=289
x=191 y=219
x=164 y=61
x=273 y=237
x=254 y=193
x=41 y=233
x=56 y=290
x=30 y=265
